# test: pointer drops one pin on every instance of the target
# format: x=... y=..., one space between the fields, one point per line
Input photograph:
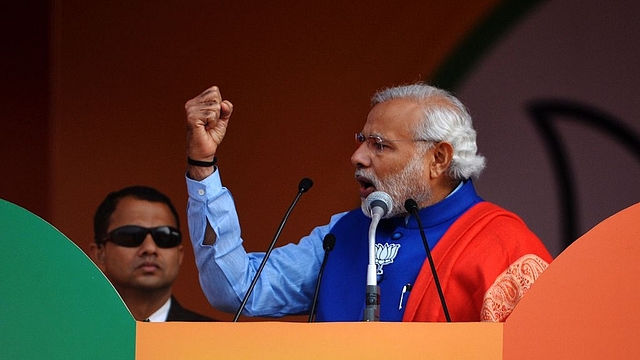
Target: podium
x=56 y=304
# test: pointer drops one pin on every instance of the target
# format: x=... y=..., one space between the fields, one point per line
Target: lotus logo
x=385 y=253
x=547 y=114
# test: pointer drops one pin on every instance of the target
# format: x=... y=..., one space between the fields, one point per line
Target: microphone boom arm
x=372 y=293
x=412 y=207
x=304 y=186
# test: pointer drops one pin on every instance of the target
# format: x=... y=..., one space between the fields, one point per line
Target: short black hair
x=109 y=204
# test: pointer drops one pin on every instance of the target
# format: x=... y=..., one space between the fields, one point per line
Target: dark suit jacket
x=178 y=313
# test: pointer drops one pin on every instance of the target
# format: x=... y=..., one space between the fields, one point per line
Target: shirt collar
x=460 y=200
x=408 y=217
x=161 y=314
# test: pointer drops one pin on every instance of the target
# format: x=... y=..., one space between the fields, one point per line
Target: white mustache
x=370 y=178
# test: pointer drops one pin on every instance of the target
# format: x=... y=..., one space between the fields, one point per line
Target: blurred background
x=93 y=93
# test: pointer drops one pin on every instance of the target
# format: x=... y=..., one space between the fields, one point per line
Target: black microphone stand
x=411 y=206
x=305 y=184
x=328 y=243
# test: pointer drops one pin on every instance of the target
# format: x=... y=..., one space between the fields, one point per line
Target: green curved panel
x=480 y=41
x=54 y=302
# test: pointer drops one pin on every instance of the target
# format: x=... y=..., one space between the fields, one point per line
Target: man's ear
x=96 y=253
x=180 y=255
x=441 y=159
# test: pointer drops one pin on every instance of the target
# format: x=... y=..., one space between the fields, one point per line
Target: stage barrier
x=56 y=304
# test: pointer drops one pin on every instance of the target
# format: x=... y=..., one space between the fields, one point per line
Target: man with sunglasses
x=138 y=248
x=417 y=143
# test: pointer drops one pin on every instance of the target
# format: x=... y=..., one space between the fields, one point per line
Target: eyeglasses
x=376 y=143
x=133 y=236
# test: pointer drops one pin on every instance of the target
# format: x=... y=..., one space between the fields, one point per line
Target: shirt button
x=200 y=192
x=396 y=236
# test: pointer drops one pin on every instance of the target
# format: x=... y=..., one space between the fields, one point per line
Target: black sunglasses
x=132 y=236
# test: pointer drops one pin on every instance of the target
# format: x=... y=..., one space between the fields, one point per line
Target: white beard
x=406 y=184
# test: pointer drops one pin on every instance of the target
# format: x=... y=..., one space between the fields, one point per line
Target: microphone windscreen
x=305 y=185
x=378 y=199
x=410 y=205
x=329 y=242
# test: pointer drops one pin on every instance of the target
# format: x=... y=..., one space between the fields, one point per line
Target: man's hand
x=207 y=120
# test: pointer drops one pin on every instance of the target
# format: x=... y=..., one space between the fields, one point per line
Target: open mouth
x=366 y=186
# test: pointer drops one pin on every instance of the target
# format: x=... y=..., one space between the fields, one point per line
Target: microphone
x=304 y=186
x=378 y=202
x=412 y=207
x=328 y=243
x=377 y=206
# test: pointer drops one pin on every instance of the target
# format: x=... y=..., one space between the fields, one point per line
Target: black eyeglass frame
x=164 y=237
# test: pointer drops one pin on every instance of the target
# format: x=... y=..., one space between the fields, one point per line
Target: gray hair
x=445 y=119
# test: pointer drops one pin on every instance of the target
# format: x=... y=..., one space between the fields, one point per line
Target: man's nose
x=148 y=246
x=361 y=157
